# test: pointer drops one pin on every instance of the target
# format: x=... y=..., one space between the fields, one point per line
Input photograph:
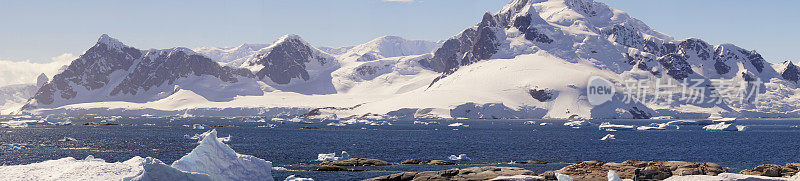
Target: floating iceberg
x=14 y=124
x=18 y=146
x=458 y=125
x=579 y=123
x=211 y=160
x=426 y=122
x=154 y=169
x=606 y=126
x=461 y=157
x=608 y=137
x=724 y=120
x=332 y=156
x=724 y=127
x=530 y=122
x=337 y=124
x=67 y=139
x=219 y=161
x=544 y=124
x=295 y=178
x=199 y=137
x=645 y=128
x=198 y=126
x=54 y=121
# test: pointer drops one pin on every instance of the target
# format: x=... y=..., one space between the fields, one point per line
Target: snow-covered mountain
x=386 y=47
x=113 y=71
x=13 y=97
x=532 y=59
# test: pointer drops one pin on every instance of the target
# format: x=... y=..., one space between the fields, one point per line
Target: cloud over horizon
x=26 y=72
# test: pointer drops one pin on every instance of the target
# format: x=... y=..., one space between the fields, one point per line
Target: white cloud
x=25 y=72
x=404 y=1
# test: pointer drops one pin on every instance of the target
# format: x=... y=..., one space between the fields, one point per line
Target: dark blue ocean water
x=487 y=142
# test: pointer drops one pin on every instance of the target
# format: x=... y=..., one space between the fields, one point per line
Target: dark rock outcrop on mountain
x=288 y=59
x=790 y=71
x=111 y=69
x=471 y=45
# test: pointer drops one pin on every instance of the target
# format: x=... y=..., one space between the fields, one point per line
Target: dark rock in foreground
x=412 y=162
x=330 y=168
x=637 y=170
x=358 y=162
x=774 y=170
x=472 y=173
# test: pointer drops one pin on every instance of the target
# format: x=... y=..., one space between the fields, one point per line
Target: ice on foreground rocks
x=562 y=177
x=211 y=160
x=219 y=161
x=332 y=156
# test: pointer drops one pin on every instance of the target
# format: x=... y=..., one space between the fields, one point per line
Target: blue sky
x=38 y=30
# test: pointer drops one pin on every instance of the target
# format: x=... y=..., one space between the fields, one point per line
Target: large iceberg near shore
x=219 y=161
x=724 y=127
x=211 y=160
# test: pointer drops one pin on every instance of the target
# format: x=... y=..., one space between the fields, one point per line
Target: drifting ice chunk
x=644 y=128
x=14 y=124
x=332 y=156
x=724 y=120
x=198 y=126
x=53 y=121
x=741 y=128
x=608 y=137
x=544 y=124
x=606 y=126
x=577 y=123
x=689 y=122
x=67 y=139
x=199 y=137
x=562 y=177
x=18 y=146
x=154 y=169
x=529 y=122
x=218 y=160
x=457 y=125
x=294 y=178
x=461 y=157
x=721 y=127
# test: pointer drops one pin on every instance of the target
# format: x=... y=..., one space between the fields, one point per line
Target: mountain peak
x=112 y=42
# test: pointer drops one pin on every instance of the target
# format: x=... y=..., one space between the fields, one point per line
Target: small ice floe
x=67 y=139
x=54 y=121
x=425 y=122
x=18 y=146
x=461 y=157
x=332 y=156
x=579 y=123
x=724 y=127
x=648 y=128
x=277 y=119
x=198 y=126
x=280 y=169
x=109 y=120
x=608 y=137
x=661 y=117
x=544 y=124
x=530 y=122
x=562 y=177
x=458 y=125
x=14 y=124
x=268 y=126
x=199 y=137
x=380 y=123
x=606 y=126
x=295 y=178
x=338 y=124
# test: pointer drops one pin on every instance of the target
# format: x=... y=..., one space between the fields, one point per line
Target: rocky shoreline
x=587 y=170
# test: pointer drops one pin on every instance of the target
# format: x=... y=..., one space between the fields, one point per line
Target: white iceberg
x=18 y=146
x=544 y=124
x=199 y=137
x=72 y=169
x=67 y=139
x=724 y=120
x=606 y=126
x=461 y=157
x=529 y=122
x=154 y=169
x=689 y=122
x=14 y=124
x=458 y=125
x=724 y=127
x=219 y=161
x=426 y=122
x=332 y=156
x=295 y=178
x=608 y=137
x=54 y=121
x=579 y=123
x=646 y=128
x=198 y=126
